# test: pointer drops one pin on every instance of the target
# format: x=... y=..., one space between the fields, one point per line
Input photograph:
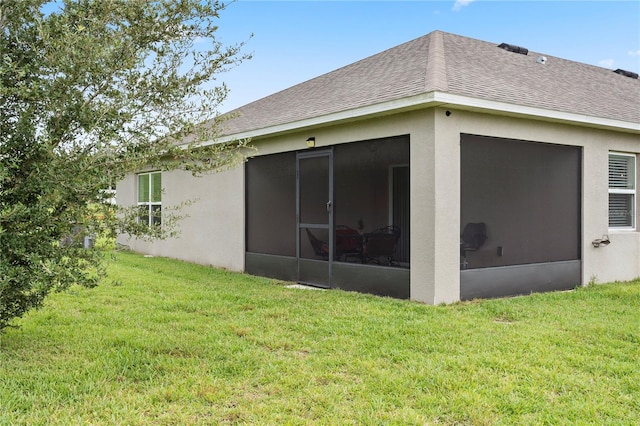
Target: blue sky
x=297 y=40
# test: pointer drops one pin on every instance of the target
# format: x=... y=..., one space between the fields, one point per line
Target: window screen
x=622 y=190
x=150 y=198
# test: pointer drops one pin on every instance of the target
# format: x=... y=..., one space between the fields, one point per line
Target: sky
x=294 y=41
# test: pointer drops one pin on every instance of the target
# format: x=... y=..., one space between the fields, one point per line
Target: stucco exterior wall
x=431 y=277
x=621 y=259
x=213 y=232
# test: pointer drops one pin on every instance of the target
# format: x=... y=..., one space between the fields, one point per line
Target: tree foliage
x=91 y=90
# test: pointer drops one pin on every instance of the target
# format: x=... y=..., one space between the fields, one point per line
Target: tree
x=91 y=90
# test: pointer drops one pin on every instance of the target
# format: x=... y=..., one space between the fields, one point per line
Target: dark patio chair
x=348 y=243
x=473 y=237
x=381 y=244
x=320 y=248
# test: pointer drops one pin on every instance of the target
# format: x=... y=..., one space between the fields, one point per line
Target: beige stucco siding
x=213 y=231
x=431 y=280
x=621 y=259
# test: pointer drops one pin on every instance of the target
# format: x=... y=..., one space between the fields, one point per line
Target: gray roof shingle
x=451 y=64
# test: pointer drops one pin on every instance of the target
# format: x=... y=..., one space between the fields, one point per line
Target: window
x=150 y=198
x=622 y=190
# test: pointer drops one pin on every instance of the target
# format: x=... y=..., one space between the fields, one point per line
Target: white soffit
x=433 y=99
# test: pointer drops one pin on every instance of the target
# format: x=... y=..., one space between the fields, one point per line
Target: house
x=367 y=177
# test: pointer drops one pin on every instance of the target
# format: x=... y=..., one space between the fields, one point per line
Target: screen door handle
x=328 y=206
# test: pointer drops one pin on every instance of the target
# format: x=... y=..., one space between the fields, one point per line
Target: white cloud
x=607 y=63
x=634 y=52
x=459 y=4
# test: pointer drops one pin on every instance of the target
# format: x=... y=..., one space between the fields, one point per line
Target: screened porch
x=335 y=217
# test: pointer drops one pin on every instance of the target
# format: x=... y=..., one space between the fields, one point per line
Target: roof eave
x=391 y=107
x=433 y=99
x=515 y=110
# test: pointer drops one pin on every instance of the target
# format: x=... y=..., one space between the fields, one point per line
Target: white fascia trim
x=433 y=99
x=513 y=109
x=423 y=100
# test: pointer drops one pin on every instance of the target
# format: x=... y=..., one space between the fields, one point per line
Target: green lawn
x=173 y=343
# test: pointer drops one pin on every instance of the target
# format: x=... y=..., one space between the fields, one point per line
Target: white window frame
x=632 y=191
x=151 y=205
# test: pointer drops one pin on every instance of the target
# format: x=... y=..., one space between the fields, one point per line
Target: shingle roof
x=456 y=65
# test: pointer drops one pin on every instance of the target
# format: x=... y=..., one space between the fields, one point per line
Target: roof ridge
x=436 y=70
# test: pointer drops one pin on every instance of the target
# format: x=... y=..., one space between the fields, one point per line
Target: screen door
x=314 y=213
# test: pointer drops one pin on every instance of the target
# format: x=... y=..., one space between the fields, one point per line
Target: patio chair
x=320 y=248
x=381 y=244
x=473 y=237
x=348 y=243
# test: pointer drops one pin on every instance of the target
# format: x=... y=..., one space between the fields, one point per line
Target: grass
x=175 y=344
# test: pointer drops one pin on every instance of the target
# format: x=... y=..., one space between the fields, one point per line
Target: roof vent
x=626 y=73
x=513 y=48
x=541 y=60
